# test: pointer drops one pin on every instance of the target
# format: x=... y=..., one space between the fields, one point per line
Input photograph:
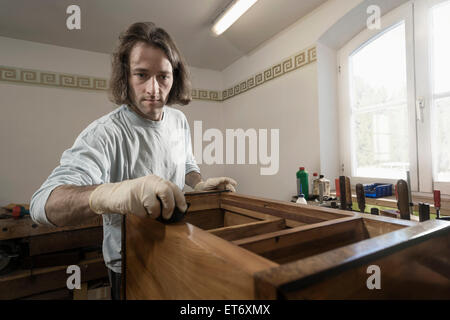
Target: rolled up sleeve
x=85 y=163
x=191 y=164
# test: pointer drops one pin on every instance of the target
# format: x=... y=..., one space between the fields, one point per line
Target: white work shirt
x=119 y=146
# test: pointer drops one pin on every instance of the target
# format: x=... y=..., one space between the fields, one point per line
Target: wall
x=288 y=103
x=328 y=111
x=39 y=122
x=210 y=113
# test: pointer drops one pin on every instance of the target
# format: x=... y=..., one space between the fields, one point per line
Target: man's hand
x=138 y=196
x=222 y=183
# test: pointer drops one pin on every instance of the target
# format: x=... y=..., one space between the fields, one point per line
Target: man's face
x=150 y=80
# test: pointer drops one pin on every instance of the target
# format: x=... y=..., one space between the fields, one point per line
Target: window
x=394 y=99
x=440 y=53
x=379 y=112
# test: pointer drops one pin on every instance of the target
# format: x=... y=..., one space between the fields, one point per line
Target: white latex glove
x=138 y=196
x=222 y=183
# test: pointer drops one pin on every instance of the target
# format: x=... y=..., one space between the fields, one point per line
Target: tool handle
x=424 y=212
x=396 y=192
x=360 y=197
x=338 y=189
x=408 y=180
x=403 y=199
x=348 y=193
x=437 y=198
x=343 y=197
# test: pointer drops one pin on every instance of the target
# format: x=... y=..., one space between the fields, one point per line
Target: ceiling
x=188 y=22
x=354 y=22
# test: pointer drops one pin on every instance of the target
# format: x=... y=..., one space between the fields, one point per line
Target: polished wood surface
x=414 y=264
x=244 y=247
x=184 y=262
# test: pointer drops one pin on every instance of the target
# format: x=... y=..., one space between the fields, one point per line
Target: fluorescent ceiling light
x=236 y=9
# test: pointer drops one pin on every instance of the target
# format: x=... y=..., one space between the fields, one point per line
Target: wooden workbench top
x=26 y=227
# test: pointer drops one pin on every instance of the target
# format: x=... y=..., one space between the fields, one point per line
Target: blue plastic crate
x=378 y=190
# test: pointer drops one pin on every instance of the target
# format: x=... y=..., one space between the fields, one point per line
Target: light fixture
x=236 y=9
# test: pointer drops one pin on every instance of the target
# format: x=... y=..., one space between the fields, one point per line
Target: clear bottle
x=326 y=186
x=315 y=185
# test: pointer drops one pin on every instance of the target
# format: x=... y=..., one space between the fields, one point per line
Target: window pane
x=442 y=138
x=441 y=86
x=441 y=48
x=378 y=70
x=381 y=143
x=380 y=147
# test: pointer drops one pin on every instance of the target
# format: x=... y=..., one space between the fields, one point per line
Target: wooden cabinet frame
x=232 y=246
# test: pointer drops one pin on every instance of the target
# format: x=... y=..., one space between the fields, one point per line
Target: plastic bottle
x=301 y=199
x=302 y=182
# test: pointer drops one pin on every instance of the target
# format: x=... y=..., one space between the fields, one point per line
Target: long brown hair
x=149 y=33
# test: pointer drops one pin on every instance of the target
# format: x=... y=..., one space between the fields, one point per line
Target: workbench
x=233 y=246
x=44 y=254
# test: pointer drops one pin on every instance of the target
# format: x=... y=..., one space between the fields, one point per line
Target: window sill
x=417 y=197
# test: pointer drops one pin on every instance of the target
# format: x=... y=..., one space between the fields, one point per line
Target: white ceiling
x=188 y=21
x=354 y=22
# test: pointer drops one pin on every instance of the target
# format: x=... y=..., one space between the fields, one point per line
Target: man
x=136 y=159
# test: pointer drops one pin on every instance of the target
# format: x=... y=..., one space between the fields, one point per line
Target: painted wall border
x=52 y=79
x=73 y=81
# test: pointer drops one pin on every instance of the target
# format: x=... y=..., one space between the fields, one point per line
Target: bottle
x=315 y=185
x=301 y=199
x=302 y=182
x=326 y=185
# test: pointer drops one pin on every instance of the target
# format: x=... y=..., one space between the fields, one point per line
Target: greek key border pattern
x=294 y=62
x=72 y=81
x=53 y=79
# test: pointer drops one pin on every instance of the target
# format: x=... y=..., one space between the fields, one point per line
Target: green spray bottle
x=302 y=182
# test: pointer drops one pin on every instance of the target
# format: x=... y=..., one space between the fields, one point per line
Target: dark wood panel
x=25 y=227
x=65 y=240
x=62 y=294
x=297 y=243
x=205 y=219
x=405 y=258
x=26 y=283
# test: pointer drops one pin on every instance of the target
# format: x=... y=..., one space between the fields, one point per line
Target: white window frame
x=423 y=69
x=394 y=17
